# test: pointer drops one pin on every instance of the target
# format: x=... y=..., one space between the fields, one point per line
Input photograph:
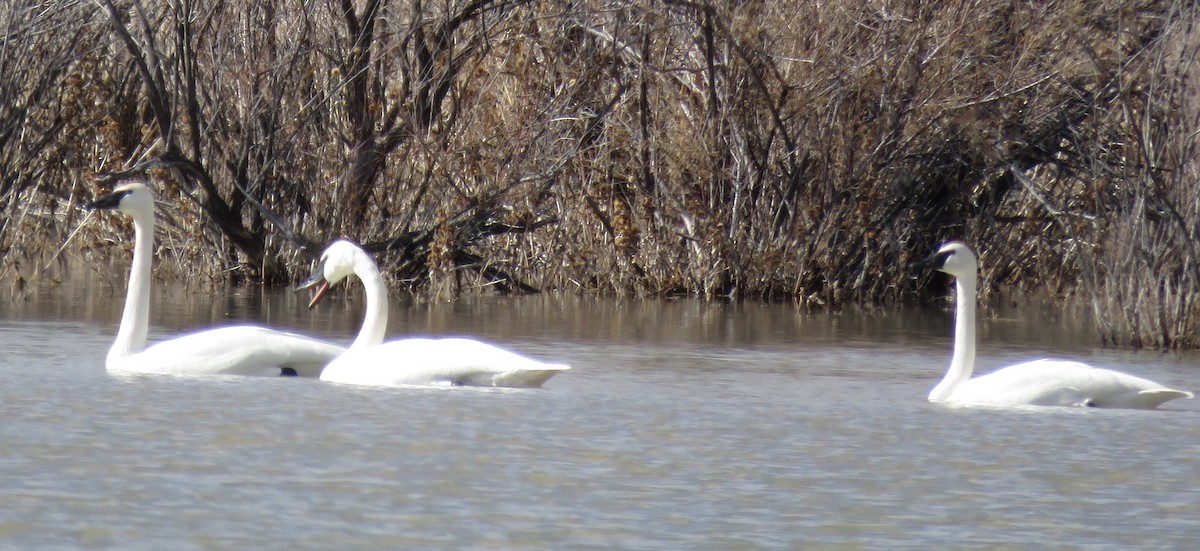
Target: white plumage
x=235 y=350
x=414 y=361
x=1037 y=383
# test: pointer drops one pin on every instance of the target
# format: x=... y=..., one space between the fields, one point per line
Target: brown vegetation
x=797 y=150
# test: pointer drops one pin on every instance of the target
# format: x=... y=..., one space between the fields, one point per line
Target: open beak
x=318 y=294
x=321 y=287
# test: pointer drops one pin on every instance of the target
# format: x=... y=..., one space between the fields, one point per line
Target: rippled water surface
x=681 y=425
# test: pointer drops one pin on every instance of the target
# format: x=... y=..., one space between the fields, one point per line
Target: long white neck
x=131 y=337
x=375 y=320
x=962 y=364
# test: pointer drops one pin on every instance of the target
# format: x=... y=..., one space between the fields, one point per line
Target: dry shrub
x=796 y=150
x=45 y=111
x=1143 y=270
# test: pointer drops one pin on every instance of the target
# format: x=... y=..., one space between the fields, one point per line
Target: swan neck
x=131 y=336
x=962 y=363
x=376 y=317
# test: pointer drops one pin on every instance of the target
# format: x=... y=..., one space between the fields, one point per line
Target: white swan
x=418 y=361
x=239 y=350
x=1038 y=383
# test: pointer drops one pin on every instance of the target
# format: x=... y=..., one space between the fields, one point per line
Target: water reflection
x=178 y=307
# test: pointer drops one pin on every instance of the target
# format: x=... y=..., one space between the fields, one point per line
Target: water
x=681 y=425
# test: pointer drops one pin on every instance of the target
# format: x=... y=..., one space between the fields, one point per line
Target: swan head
x=132 y=198
x=338 y=261
x=953 y=258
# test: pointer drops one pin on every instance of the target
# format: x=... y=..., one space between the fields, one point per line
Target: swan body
x=1048 y=382
x=450 y=362
x=234 y=350
x=415 y=361
x=1036 y=383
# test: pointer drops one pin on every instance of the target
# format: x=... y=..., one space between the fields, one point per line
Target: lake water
x=681 y=425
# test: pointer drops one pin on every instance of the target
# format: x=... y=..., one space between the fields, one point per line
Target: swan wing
x=237 y=350
x=1063 y=383
x=451 y=361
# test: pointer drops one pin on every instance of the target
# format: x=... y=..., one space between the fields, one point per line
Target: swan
x=414 y=361
x=1042 y=382
x=239 y=350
